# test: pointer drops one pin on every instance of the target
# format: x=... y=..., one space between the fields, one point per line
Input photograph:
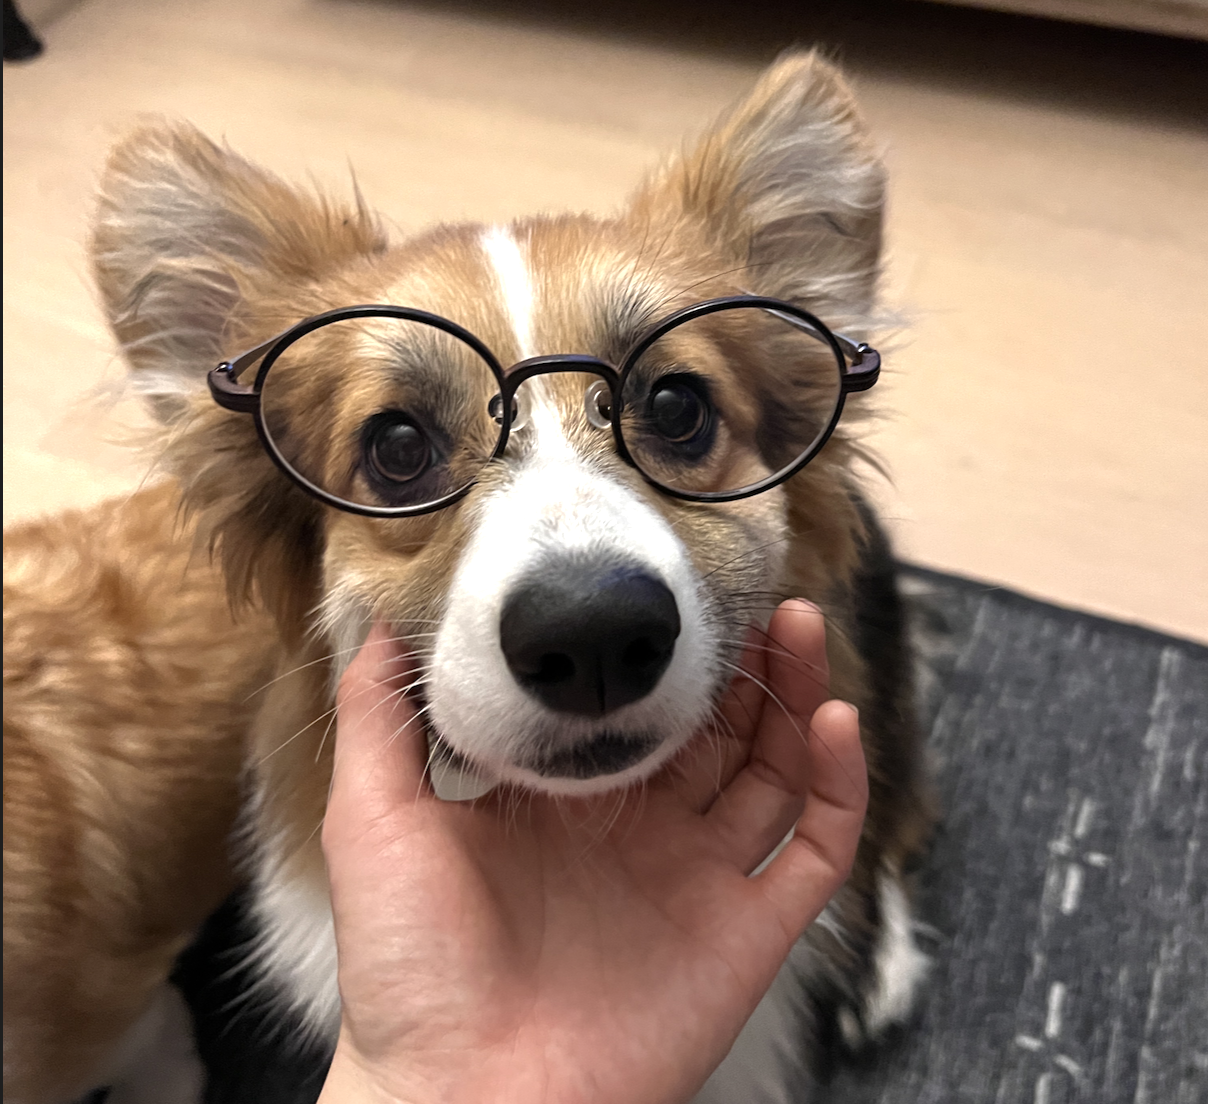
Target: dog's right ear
x=196 y=251
x=186 y=234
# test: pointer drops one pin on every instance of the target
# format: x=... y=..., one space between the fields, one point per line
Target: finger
x=798 y=670
x=380 y=754
x=716 y=753
x=818 y=858
x=766 y=797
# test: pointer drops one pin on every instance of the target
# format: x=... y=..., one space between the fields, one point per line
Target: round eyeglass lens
x=380 y=412
x=722 y=402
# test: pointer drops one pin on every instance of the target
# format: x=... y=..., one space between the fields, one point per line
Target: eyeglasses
x=718 y=401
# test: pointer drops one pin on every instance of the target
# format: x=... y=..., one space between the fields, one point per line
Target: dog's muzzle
x=586 y=638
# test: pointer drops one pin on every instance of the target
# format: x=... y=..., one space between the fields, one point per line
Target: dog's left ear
x=788 y=186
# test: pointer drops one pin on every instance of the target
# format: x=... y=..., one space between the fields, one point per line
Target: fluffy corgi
x=571 y=458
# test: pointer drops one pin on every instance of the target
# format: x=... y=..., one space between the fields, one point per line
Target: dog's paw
x=899 y=968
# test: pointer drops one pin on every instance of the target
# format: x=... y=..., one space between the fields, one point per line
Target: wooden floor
x=1047 y=404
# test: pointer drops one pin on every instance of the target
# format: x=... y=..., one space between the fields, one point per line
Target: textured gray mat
x=1068 y=887
x=1066 y=890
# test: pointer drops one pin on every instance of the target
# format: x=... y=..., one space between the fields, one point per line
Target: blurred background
x=1046 y=405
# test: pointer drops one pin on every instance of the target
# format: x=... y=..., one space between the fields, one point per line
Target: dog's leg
x=899 y=968
x=857 y=972
x=157 y=1061
x=776 y=1058
x=902 y=810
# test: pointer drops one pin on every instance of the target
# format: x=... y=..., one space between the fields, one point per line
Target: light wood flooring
x=1047 y=399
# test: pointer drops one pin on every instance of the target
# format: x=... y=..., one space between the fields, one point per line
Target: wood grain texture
x=1047 y=407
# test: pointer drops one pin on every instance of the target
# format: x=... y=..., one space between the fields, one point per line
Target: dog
x=571 y=458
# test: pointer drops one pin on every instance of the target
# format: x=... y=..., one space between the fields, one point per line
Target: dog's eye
x=398 y=449
x=678 y=411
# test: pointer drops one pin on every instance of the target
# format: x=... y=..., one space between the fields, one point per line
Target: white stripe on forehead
x=512 y=275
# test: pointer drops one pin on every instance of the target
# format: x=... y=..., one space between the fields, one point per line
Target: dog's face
x=573 y=624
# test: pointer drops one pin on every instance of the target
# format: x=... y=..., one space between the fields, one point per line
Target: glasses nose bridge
x=557 y=363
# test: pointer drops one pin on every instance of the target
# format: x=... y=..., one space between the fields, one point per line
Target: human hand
x=607 y=949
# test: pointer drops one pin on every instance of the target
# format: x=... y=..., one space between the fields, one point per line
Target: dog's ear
x=196 y=250
x=186 y=234
x=788 y=187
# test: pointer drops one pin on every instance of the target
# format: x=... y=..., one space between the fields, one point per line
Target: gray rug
x=1068 y=886
x=1066 y=894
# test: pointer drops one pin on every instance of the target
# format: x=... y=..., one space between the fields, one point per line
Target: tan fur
x=128 y=680
x=126 y=700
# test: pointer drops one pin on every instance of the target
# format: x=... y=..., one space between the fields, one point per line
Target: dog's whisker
x=767 y=689
x=323 y=739
x=769 y=602
x=774 y=649
x=396 y=694
x=318 y=827
x=285 y=743
x=429 y=758
x=811 y=671
x=682 y=291
x=793 y=719
x=747 y=553
x=744 y=644
x=321 y=659
x=418 y=716
x=328 y=713
x=649 y=268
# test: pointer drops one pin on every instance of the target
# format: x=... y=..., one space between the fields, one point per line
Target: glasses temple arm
x=865 y=364
x=240 y=364
x=224 y=383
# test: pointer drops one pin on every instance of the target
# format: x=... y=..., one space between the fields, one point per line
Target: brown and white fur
x=134 y=734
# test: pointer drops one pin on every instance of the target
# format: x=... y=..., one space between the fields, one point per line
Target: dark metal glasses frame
x=859 y=366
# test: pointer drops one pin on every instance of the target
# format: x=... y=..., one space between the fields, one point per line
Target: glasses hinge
x=864 y=370
x=229 y=394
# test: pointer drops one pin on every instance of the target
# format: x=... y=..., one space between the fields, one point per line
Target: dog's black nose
x=587 y=638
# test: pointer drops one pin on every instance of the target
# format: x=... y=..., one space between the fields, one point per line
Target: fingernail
x=853 y=709
x=806 y=602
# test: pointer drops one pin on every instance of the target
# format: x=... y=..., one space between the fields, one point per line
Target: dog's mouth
x=606 y=753
x=603 y=754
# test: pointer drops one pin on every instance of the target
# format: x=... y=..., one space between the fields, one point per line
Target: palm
x=587 y=942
